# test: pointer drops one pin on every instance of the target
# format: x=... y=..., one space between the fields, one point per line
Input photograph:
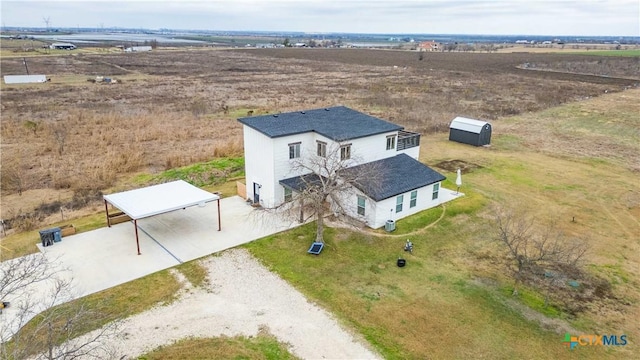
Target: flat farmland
x=173 y=108
x=566 y=143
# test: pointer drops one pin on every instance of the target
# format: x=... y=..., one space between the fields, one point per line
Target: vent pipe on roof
x=326 y=109
x=302 y=112
x=275 y=115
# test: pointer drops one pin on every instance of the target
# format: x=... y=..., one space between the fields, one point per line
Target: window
x=322 y=148
x=399 y=201
x=391 y=142
x=288 y=194
x=345 y=152
x=436 y=188
x=414 y=198
x=361 y=203
x=294 y=150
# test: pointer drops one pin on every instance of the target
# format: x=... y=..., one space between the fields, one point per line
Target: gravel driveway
x=242 y=297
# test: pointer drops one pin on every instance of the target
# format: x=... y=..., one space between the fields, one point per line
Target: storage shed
x=470 y=131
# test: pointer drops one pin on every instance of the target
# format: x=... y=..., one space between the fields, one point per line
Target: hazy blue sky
x=499 y=17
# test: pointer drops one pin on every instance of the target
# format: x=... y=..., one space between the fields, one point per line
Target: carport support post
x=135 y=224
x=106 y=209
x=219 y=223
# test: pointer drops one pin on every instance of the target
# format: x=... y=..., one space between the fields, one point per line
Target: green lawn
x=262 y=347
x=626 y=53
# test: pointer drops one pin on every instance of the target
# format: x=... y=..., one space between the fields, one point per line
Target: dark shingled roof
x=336 y=123
x=300 y=183
x=398 y=174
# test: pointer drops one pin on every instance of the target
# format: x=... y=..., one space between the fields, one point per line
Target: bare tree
x=44 y=324
x=531 y=247
x=13 y=174
x=329 y=178
x=59 y=133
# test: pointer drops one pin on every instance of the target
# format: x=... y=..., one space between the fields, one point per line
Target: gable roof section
x=398 y=174
x=466 y=124
x=338 y=123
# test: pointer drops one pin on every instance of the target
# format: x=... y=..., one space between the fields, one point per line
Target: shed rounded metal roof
x=466 y=124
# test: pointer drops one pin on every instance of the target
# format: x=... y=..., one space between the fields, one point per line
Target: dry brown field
x=172 y=108
x=566 y=140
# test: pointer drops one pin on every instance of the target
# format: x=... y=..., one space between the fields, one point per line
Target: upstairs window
x=436 y=188
x=391 y=142
x=345 y=152
x=294 y=150
x=322 y=148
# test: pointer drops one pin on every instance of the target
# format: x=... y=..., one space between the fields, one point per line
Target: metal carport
x=158 y=199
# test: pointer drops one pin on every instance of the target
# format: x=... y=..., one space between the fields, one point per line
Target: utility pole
x=24 y=61
x=47 y=22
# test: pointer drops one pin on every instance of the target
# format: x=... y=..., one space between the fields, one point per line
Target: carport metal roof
x=158 y=199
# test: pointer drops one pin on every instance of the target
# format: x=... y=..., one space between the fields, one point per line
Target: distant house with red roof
x=429 y=46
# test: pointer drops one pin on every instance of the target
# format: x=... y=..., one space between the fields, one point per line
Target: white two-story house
x=275 y=145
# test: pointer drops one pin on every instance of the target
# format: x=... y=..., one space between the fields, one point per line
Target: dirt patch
x=453 y=166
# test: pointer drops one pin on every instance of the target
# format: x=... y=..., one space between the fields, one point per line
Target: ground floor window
x=322 y=148
x=361 y=203
x=345 y=152
x=288 y=194
x=414 y=198
x=436 y=188
x=399 y=201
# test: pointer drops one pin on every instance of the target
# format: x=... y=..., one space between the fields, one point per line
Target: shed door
x=485 y=135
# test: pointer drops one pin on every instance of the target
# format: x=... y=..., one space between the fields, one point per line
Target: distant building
x=522 y=41
x=429 y=46
x=62 y=46
x=138 y=49
x=470 y=131
x=24 y=79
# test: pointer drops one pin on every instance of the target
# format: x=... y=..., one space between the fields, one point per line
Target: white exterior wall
x=284 y=167
x=377 y=213
x=267 y=159
x=414 y=152
x=371 y=148
x=258 y=163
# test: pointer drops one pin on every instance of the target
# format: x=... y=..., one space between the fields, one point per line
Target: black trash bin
x=48 y=236
x=402 y=262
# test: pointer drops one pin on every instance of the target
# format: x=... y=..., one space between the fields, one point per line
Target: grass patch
x=623 y=53
x=417 y=221
x=194 y=272
x=533 y=300
x=613 y=272
x=212 y=172
x=118 y=302
x=396 y=309
x=507 y=142
x=263 y=347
